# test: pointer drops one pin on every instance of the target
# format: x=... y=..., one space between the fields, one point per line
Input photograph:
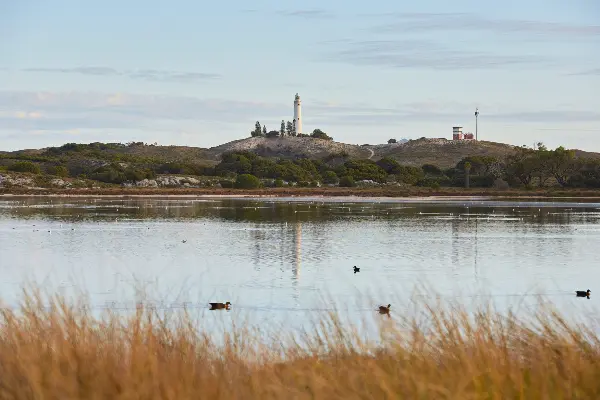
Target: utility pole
x=476 y=115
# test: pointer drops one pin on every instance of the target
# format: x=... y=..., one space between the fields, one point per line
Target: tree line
x=286 y=129
x=525 y=168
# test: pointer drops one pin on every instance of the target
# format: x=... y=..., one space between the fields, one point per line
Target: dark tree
x=319 y=134
x=257 y=130
x=431 y=169
x=294 y=128
x=282 y=129
x=247 y=181
x=289 y=128
x=264 y=131
x=392 y=141
x=467 y=168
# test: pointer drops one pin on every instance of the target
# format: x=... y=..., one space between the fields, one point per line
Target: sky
x=201 y=73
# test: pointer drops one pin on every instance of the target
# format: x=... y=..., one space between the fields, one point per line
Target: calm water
x=286 y=259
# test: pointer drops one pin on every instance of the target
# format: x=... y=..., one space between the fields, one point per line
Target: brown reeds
x=64 y=352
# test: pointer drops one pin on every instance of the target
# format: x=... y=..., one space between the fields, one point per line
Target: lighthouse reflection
x=297 y=251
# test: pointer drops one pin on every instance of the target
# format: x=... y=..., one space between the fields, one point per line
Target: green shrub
x=42 y=180
x=25 y=166
x=134 y=174
x=433 y=182
x=431 y=169
x=365 y=170
x=59 y=170
x=330 y=177
x=409 y=175
x=225 y=184
x=389 y=165
x=181 y=168
x=247 y=181
x=109 y=174
x=319 y=134
x=347 y=181
x=279 y=183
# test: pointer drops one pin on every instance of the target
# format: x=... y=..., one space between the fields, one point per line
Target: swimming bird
x=356 y=269
x=384 y=309
x=581 y=293
x=183 y=241
x=218 y=306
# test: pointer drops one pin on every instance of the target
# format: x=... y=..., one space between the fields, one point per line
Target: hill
x=106 y=151
x=297 y=161
x=441 y=152
x=293 y=147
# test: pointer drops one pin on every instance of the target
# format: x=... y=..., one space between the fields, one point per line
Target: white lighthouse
x=298 y=114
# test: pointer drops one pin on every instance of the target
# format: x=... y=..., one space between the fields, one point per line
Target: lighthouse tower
x=298 y=114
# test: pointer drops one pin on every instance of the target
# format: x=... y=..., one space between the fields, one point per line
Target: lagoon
x=285 y=260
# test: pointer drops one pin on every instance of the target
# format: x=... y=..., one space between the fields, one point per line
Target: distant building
x=457 y=134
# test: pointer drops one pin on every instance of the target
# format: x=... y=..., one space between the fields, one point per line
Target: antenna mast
x=476 y=115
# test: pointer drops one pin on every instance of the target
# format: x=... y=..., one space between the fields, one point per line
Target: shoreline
x=412 y=192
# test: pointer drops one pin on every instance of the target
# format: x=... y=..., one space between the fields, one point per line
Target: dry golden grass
x=63 y=352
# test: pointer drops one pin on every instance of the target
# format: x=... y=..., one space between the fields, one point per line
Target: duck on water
x=581 y=293
x=219 y=306
x=384 y=309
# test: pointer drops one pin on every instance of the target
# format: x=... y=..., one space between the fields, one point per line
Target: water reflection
x=251 y=251
x=276 y=210
x=298 y=248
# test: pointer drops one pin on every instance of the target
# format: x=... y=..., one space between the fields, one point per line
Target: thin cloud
x=594 y=71
x=154 y=75
x=69 y=110
x=424 y=54
x=429 y=22
x=447 y=113
x=547 y=116
x=44 y=111
x=308 y=14
x=403 y=116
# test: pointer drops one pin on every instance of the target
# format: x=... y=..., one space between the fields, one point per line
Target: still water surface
x=284 y=260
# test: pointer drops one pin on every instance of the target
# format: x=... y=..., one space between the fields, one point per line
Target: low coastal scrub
x=63 y=352
x=137 y=164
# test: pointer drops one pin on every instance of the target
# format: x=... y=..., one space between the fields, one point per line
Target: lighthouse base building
x=457 y=134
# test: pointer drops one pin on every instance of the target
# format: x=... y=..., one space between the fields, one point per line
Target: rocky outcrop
x=21 y=181
x=293 y=147
x=171 y=181
x=60 y=183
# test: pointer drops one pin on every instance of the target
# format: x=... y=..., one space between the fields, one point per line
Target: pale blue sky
x=201 y=73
